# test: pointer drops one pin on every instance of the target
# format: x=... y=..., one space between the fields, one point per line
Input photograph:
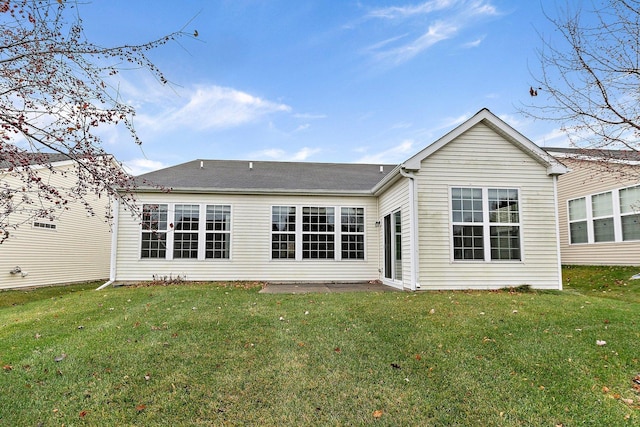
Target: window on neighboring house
x=578 y=232
x=352 y=227
x=602 y=213
x=45 y=225
x=472 y=220
x=218 y=231
x=318 y=232
x=612 y=216
x=185 y=237
x=630 y=213
x=283 y=232
x=154 y=231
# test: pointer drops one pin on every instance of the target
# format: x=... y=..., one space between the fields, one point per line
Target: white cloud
x=473 y=43
x=443 y=19
x=309 y=116
x=393 y=155
x=140 y=166
x=212 y=107
x=281 y=155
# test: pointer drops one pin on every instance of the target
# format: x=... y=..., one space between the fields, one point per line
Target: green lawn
x=210 y=354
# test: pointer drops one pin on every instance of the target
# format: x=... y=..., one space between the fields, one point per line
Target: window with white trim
x=154 y=231
x=185 y=238
x=578 y=220
x=480 y=212
x=318 y=232
x=218 y=231
x=352 y=233
x=612 y=216
x=630 y=213
x=283 y=232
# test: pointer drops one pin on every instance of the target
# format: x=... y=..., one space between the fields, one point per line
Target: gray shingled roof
x=235 y=175
x=38 y=158
x=596 y=153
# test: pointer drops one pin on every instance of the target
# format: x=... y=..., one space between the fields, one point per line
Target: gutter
x=114 y=245
x=413 y=225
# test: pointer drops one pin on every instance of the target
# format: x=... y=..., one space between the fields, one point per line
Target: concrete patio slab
x=306 y=288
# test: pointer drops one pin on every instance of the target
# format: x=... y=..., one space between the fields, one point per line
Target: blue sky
x=320 y=80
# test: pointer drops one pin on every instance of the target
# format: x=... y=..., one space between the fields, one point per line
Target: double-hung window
x=485 y=224
x=352 y=227
x=318 y=232
x=217 y=231
x=578 y=220
x=630 y=213
x=154 y=231
x=283 y=232
x=602 y=210
x=185 y=239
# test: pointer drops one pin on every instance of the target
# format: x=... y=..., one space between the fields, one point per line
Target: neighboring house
x=72 y=248
x=474 y=210
x=599 y=206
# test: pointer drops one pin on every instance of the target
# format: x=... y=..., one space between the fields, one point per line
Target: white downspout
x=114 y=245
x=555 y=198
x=413 y=225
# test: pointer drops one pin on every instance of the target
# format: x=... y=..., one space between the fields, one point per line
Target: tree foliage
x=589 y=80
x=56 y=90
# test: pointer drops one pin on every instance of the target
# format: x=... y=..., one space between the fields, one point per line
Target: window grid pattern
x=473 y=222
x=186 y=224
x=352 y=227
x=217 y=232
x=283 y=232
x=318 y=232
x=154 y=235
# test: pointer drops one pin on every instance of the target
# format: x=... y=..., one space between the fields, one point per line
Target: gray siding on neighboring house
x=589 y=178
x=482 y=158
x=250 y=243
x=76 y=250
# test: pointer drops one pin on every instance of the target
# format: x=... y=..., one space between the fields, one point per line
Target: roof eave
x=256 y=191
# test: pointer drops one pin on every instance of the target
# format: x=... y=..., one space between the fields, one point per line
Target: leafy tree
x=56 y=89
x=589 y=80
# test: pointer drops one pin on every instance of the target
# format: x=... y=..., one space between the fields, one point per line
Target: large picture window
x=612 y=216
x=218 y=231
x=478 y=213
x=154 y=231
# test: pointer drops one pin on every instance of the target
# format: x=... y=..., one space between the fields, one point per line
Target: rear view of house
x=599 y=206
x=476 y=209
x=72 y=248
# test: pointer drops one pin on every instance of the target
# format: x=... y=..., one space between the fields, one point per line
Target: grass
x=208 y=354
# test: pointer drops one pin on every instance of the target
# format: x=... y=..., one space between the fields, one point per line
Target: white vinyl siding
x=394 y=199
x=481 y=158
x=250 y=251
x=76 y=250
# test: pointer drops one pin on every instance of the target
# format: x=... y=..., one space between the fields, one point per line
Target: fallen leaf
x=377 y=413
x=605 y=389
x=60 y=358
x=601 y=343
x=418 y=357
x=7 y=367
x=337 y=349
x=147 y=377
x=141 y=407
x=432 y=311
x=627 y=401
x=83 y=414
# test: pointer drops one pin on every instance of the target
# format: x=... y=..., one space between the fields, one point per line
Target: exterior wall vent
x=250 y=165
x=381 y=168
